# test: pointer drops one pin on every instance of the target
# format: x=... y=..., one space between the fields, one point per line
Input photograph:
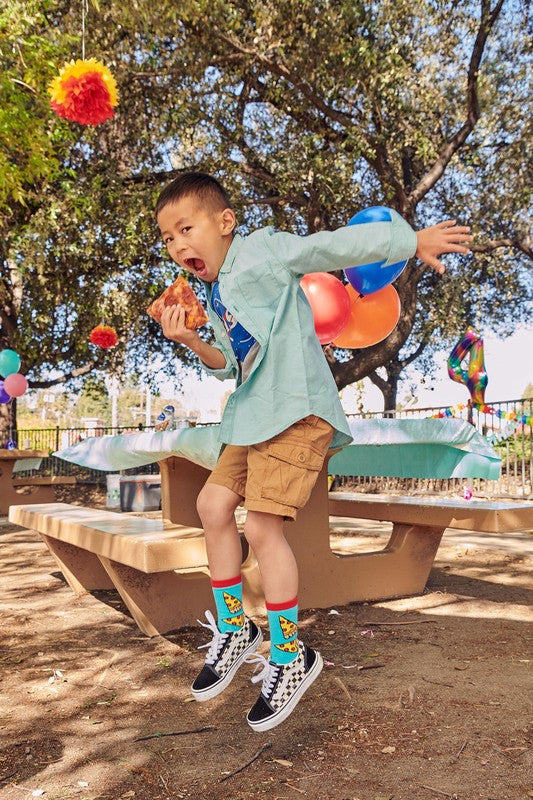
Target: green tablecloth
x=403 y=448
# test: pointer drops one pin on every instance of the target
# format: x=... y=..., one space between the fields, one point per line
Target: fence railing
x=503 y=425
x=57 y=438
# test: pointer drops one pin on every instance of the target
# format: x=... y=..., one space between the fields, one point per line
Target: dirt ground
x=422 y=698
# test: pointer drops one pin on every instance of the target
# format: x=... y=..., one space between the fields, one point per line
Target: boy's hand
x=446 y=237
x=173 y=325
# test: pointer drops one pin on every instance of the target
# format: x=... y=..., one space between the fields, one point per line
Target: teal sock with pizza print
x=283 y=624
x=228 y=599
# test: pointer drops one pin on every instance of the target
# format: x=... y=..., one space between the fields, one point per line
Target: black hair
x=203 y=186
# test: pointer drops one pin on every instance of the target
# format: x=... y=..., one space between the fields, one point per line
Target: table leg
x=181 y=481
x=82 y=570
x=8 y=495
x=400 y=569
x=161 y=601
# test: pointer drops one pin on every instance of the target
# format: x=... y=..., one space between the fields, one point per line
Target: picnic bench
x=159 y=566
x=46 y=480
x=8 y=493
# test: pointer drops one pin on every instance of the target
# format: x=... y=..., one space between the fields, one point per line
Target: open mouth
x=196 y=265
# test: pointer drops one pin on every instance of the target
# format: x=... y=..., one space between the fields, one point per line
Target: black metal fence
x=507 y=425
x=53 y=439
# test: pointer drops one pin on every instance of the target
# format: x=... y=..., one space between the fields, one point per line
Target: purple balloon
x=4 y=396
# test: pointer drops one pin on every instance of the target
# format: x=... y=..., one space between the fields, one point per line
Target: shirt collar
x=231 y=255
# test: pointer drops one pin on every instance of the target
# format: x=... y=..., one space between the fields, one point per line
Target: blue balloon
x=372 y=214
x=370 y=278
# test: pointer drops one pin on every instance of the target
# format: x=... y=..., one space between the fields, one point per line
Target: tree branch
x=488 y=18
x=378 y=381
x=494 y=244
x=74 y=373
x=404 y=362
x=279 y=69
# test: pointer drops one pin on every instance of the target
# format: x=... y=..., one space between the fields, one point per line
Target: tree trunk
x=8 y=422
x=389 y=391
x=388 y=387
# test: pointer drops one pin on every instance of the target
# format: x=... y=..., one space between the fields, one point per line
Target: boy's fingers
x=458 y=248
x=461 y=229
x=174 y=313
x=459 y=236
x=437 y=265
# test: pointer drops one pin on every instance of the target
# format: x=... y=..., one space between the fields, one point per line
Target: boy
x=282 y=418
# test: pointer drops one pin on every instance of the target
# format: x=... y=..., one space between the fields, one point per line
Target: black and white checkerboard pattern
x=232 y=649
x=289 y=679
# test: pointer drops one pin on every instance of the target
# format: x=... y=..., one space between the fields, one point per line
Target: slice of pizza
x=237 y=621
x=180 y=293
x=288 y=647
x=233 y=603
x=288 y=628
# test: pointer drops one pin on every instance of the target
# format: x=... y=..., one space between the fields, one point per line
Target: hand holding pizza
x=180 y=294
x=173 y=323
x=180 y=313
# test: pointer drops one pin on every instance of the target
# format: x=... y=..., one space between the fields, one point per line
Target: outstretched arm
x=446 y=237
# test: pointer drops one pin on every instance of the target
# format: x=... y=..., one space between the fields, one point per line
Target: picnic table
x=8 y=493
x=159 y=566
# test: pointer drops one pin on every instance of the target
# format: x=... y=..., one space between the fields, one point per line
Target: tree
x=71 y=253
x=307 y=112
x=420 y=107
x=527 y=394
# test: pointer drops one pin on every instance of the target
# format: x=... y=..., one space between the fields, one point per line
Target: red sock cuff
x=227 y=582
x=281 y=606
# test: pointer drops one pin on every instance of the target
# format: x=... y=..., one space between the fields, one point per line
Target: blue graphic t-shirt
x=241 y=341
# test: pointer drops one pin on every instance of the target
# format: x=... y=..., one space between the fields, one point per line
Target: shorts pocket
x=291 y=473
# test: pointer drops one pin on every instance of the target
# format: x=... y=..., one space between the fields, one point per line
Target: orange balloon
x=371 y=319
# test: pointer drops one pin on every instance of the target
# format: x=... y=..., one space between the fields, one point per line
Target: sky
x=509 y=364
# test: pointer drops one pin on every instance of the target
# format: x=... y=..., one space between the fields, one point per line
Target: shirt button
x=301 y=457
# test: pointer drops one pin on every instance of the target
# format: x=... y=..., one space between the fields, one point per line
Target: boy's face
x=197 y=238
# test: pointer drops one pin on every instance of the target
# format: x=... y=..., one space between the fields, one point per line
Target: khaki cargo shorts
x=276 y=476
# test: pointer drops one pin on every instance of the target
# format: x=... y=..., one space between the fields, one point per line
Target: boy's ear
x=228 y=221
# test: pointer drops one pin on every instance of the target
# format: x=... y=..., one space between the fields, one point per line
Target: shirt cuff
x=403 y=240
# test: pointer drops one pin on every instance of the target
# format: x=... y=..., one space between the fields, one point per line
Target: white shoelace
x=217 y=640
x=268 y=674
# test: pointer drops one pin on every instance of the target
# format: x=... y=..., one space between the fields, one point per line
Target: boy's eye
x=186 y=229
x=167 y=239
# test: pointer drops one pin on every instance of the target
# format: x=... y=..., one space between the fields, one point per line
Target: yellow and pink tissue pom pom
x=84 y=92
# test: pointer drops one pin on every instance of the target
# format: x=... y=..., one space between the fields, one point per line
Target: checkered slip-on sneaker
x=226 y=653
x=283 y=686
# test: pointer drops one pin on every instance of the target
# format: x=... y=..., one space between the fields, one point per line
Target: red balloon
x=15 y=384
x=372 y=318
x=329 y=303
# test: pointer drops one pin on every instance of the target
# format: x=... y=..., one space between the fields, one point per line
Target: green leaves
x=307 y=112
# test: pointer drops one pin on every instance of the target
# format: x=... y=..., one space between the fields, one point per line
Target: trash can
x=140 y=493
x=112 y=499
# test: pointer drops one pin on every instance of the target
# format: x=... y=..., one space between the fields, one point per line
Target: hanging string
x=84 y=12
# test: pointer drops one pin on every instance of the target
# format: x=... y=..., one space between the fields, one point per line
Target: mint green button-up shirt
x=259 y=284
